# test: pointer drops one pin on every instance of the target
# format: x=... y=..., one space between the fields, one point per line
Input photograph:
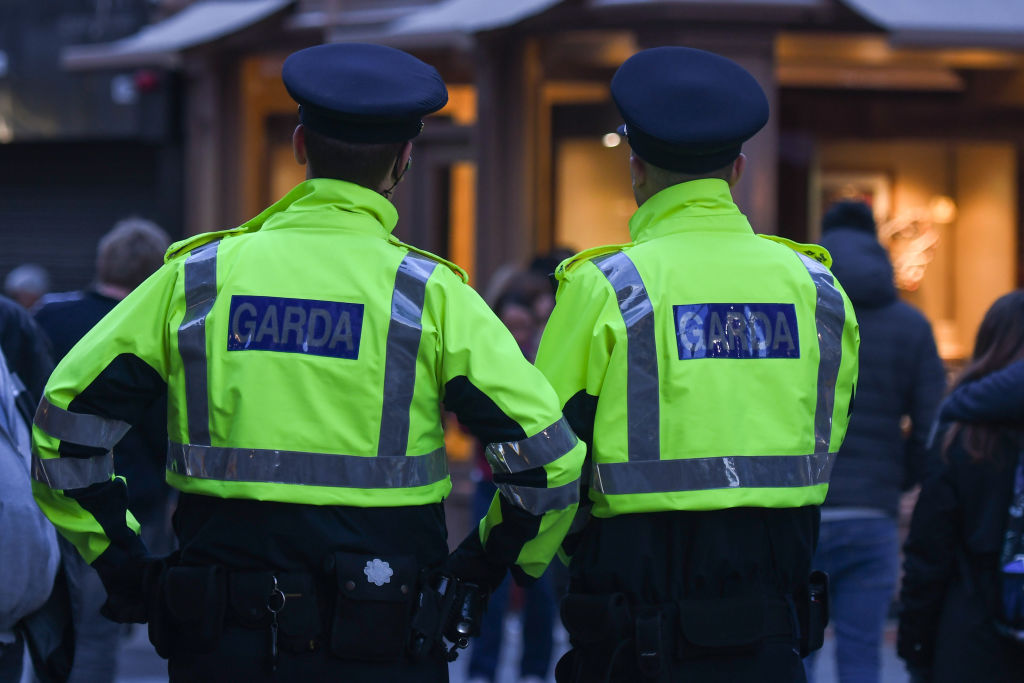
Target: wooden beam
x=508 y=89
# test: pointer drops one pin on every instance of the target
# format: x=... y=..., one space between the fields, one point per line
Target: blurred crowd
x=959 y=605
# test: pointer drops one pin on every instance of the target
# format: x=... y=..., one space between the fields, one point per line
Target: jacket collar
x=697 y=205
x=363 y=208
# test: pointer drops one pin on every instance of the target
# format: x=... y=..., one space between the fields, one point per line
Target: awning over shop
x=466 y=17
x=947 y=23
x=161 y=44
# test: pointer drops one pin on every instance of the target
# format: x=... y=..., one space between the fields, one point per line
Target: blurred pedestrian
x=126 y=255
x=306 y=356
x=26 y=284
x=712 y=371
x=516 y=308
x=29 y=555
x=901 y=375
x=950 y=593
x=26 y=348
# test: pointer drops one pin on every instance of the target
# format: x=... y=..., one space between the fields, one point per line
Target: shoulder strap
x=434 y=257
x=568 y=264
x=815 y=251
x=189 y=244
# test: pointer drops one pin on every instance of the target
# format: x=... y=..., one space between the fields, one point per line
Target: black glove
x=919 y=674
x=471 y=565
x=466 y=615
x=132 y=586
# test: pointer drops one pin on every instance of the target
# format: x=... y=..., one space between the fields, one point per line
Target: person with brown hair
x=132 y=250
x=949 y=597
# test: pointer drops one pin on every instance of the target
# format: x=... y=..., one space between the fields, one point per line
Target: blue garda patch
x=737 y=331
x=319 y=328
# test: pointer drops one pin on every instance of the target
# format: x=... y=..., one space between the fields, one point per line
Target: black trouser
x=240 y=655
x=702 y=574
x=733 y=641
x=774 y=662
x=350 y=622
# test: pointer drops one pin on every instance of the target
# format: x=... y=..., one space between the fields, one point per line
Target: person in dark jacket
x=996 y=397
x=25 y=346
x=949 y=594
x=129 y=253
x=901 y=375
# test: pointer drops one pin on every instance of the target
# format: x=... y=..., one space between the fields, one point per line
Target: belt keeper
x=649 y=644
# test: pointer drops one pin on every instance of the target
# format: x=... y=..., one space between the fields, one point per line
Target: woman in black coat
x=950 y=591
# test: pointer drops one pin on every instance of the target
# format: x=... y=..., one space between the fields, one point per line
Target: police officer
x=305 y=356
x=712 y=372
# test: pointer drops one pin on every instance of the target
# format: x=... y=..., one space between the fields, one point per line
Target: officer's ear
x=638 y=170
x=403 y=161
x=737 y=169
x=299 y=145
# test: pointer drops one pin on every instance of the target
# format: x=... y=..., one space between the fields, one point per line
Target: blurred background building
x=174 y=110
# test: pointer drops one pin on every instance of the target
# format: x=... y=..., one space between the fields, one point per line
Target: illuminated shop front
x=918 y=116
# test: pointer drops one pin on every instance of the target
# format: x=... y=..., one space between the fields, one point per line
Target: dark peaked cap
x=687 y=110
x=363 y=93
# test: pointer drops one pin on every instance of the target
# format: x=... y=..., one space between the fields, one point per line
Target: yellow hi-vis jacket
x=306 y=356
x=708 y=368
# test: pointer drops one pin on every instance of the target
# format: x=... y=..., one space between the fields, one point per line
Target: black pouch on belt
x=299 y=617
x=722 y=626
x=812 y=610
x=195 y=598
x=600 y=627
x=373 y=607
x=593 y=619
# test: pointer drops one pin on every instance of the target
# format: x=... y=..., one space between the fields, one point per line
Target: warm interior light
x=611 y=140
x=942 y=209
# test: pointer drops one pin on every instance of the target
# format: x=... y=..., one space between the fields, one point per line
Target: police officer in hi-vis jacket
x=711 y=372
x=306 y=355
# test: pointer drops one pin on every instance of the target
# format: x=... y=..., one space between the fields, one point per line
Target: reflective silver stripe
x=702 y=474
x=642 y=392
x=829 y=319
x=537 y=501
x=309 y=469
x=67 y=473
x=402 y=348
x=538 y=450
x=200 y=293
x=79 y=428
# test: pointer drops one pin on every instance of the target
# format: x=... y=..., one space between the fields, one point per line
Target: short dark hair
x=663 y=177
x=849 y=213
x=362 y=164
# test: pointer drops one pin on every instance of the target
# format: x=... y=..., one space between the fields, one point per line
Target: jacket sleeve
x=998 y=396
x=574 y=355
x=927 y=388
x=104 y=385
x=536 y=458
x=929 y=563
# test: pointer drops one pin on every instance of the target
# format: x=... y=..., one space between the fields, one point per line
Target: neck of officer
x=649 y=180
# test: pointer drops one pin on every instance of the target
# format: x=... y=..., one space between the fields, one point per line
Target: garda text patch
x=320 y=328
x=736 y=331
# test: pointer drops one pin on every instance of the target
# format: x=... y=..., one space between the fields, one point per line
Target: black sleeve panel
x=506 y=540
x=504 y=544
x=125 y=390
x=107 y=502
x=580 y=411
x=536 y=477
x=478 y=413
